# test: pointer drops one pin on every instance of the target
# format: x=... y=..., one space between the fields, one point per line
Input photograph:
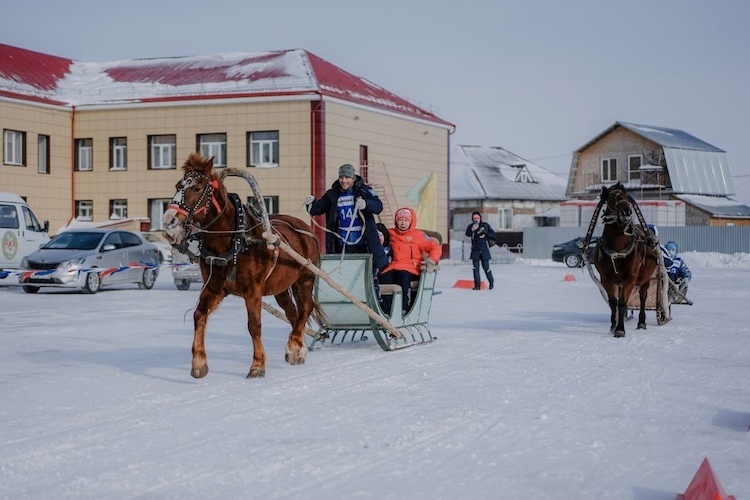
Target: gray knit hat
x=347 y=170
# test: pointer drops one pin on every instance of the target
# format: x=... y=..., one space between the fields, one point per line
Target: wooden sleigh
x=662 y=293
x=347 y=321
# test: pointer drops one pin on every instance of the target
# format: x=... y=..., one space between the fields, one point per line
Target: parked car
x=89 y=259
x=570 y=252
x=185 y=272
x=165 y=249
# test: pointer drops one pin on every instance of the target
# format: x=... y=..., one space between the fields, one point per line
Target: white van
x=20 y=231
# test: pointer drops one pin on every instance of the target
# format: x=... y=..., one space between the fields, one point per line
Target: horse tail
x=318 y=314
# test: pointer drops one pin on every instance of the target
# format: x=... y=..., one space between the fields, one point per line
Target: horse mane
x=197 y=163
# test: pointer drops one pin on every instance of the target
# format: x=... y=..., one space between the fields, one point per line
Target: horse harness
x=629 y=230
x=241 y=241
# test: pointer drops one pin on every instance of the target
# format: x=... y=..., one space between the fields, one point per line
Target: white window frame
x=157 y=207
x=263 y=152
x=13 y=143
x=606 y=168
x=119 y=159
x=84 y=210
x=43 y=149
x=634 y=175
x=119 y=209
x=84 y=155
x=270 y=201
x=505 y=218
x=214 y=145
x=163 y=154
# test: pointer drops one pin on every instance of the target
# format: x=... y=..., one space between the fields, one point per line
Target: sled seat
x=346 y=321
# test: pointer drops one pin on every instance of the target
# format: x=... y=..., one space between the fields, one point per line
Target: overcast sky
x=539 y=78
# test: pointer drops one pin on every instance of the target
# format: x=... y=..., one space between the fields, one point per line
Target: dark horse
x=625 y=256
x=234 y=259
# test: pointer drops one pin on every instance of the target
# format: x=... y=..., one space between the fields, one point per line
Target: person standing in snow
x=481 y=234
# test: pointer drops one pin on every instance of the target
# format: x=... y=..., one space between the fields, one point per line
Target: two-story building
x=104 y=141
x=676 y=178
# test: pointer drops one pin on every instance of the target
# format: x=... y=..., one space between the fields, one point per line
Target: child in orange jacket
x=408 y=244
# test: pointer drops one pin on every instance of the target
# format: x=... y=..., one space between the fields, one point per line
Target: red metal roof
x=336 y=82
x=45 y=78
x=35 y=69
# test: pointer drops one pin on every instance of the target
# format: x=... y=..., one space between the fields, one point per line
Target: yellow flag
x=427 y=210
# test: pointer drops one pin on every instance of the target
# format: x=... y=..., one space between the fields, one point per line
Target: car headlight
x=72 y=262
x=25 y=263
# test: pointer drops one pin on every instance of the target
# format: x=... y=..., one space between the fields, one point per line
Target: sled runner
x=346 y=321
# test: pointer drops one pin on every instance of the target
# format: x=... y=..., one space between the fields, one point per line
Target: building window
x=84 y=210
x=505 y=218
x=609 y=170
x=118 y=153
x=271 y=203
x=14 y=147
x=118 y=209
x=213 y=145
x=263 y=149
x=84 y=154
x=156 y=209
x=43 y=151
x=162 y=149
x=634 y=167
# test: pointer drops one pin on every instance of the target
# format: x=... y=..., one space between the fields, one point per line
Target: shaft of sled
x=269 y=308
x=275 y=240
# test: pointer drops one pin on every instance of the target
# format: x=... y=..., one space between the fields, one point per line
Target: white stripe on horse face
x=177 y=197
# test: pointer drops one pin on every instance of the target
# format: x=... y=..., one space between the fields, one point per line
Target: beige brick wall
x=47 y=194
x=406 y=150
x=399 y=150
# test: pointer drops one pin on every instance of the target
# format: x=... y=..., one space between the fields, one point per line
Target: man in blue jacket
x=481 y=235
x=350 y=207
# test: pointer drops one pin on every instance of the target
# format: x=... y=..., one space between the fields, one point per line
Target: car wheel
x=30 y=289
x=182 y=284
x=92 y=283
x=573 y=260
x=149 y=278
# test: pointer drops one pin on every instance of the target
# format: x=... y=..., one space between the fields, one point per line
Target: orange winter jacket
x=407 y=248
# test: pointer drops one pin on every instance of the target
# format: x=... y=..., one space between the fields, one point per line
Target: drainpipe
x=318 y=160
x=72 y=164
x=447 y=245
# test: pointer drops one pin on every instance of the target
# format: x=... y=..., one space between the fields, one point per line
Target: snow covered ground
x=524 y=395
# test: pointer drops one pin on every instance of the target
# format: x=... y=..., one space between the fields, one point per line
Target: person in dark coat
x=481 y=234
x=350 y=207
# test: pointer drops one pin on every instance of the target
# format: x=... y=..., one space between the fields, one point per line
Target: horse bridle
x=208 y=195
x=622 y=217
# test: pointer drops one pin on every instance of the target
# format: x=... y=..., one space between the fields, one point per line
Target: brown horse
x=234 y=259
x=625 y=257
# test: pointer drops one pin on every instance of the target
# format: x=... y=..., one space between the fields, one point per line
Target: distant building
x=98 y=141
x=510 y=192
x=676 y=177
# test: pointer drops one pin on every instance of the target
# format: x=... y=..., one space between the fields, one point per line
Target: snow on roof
x=44 y=78
x=479 y=172
x=718 y=206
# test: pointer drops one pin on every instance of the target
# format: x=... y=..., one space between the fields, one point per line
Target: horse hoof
x=641 y=326
x=199 y=372
x=619 y=333
x=256 y=373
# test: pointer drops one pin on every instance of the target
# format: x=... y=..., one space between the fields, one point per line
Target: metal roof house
x=659 y=163
x=510 y=191
x=93 y=140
